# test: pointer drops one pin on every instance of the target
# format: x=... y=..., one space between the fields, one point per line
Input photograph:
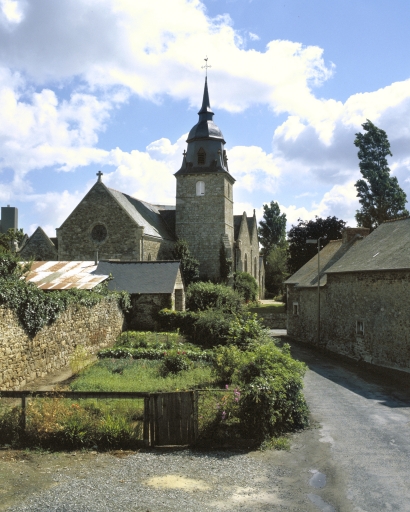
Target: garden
x=248 y=386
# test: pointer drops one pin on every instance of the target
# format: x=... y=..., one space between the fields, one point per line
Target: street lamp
x=314 y=241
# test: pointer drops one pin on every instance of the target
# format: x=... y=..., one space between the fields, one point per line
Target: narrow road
x=366 y=419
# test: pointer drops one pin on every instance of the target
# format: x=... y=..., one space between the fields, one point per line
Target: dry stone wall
x=22 y=358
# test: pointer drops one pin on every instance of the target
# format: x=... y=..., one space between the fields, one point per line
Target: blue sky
x=116 y=85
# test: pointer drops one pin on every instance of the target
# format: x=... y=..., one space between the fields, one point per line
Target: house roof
x=237 y=221
x=386 y=248
x=63 y=275
x=144 y=214
x=329 y=256
x=141 y=276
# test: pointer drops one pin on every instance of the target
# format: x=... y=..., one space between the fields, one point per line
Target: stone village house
x=117 y=226
x=364 y=296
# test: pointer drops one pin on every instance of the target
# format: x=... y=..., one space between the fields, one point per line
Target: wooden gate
x=173 y=418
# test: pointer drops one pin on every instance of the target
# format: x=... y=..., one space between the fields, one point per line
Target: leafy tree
x=189 y=265
x=8 y=239
x=276 y=269
x=245 y=285
x=299 y=251
x=272 y=229
x=380 y=195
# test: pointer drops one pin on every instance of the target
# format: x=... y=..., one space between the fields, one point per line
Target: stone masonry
x=23 y=358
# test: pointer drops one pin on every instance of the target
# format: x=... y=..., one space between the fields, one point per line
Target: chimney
x=349 y=233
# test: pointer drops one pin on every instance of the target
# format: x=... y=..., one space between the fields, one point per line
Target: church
x=111 y=225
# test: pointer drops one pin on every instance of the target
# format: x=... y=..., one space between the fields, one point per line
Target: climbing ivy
x=36 y=308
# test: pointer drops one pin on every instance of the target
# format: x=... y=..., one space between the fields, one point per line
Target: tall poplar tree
x=380 y=194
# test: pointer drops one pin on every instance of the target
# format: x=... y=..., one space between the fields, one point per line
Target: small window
x=201 y=157
x=296 y=308
x=149 y=257
x=254 y=267
x=200 y=188
x=360 y=327
x=246 y=263
x=229 y=191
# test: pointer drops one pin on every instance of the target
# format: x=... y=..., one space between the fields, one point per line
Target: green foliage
x=8 y=239
x=145 y=339
x=183 y=321
x=225 y=264
x=299 y=252
x=79 y=359
x=379 y=193
x=201 y=296
x=246 y=330
x=189 y=265
x=276 y=269
x=212 y=327
x=36 y=308
x=272 y=229
x=173 y=363
x=226 y=362
x=271 y=384
x=246 y=286
x=153 y=354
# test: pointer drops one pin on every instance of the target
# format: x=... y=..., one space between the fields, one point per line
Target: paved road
x=366 y=419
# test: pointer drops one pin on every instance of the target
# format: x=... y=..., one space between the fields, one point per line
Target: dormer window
x=201 y=157
x=200 y=188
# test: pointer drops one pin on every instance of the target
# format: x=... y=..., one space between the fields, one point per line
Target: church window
x=295 y=308
x=246 y=263
x=201 y=157
x=149 y=257
x=99 y=233
x=254 y=267
x=229 y=190
x=360 y=328
x=200 y=188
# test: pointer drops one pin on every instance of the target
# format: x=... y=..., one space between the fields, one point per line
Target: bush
x=246 y=330
x=272 y=402
x=201 y=296
x=226 y=362
x=184 y=321
x=152 y=354
x=246 y=286
x=174 y=363
x=213 y=327
x=145 y=339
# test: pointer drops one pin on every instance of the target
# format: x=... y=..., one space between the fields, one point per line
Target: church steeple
x=205 y=113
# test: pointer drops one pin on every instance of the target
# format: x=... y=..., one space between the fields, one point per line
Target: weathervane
x=206 y=66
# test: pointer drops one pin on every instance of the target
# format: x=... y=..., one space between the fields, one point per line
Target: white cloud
x=253 y=37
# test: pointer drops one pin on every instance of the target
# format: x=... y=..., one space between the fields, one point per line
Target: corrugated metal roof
x=63 y=275
x=141 y=276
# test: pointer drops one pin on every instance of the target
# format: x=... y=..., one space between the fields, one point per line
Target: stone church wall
x=123 y=239
x=22 y=358
x=202 y=220
x=377 y=299
x=157 y=250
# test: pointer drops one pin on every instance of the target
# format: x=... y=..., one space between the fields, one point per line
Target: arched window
x=200 y=188
x=229 y=191
x=254 y=268
x=201 y=156
x=246 y=263
x=149 y=257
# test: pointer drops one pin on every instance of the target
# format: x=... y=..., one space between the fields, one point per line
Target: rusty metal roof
x=63 y=275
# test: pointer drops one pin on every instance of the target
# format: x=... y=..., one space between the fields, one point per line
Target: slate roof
x=144 y=214
x=386 y=248
x=140 y=276
x=62 y=275
x=237 y=220
x=333 y=252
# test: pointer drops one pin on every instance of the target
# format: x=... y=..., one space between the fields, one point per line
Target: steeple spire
x=205 y=114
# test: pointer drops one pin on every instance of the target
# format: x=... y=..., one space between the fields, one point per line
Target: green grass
x=140 y=375
x=267 y=309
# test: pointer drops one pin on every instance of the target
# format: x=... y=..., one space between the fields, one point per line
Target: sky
x=115 y=85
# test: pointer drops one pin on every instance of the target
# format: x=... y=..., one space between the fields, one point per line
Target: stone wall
x=22 y=358
x=379 y=300
x=145 y=307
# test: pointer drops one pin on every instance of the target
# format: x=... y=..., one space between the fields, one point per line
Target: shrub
x=246 y=286
x=184 y=321
x=213 y=327
x=246 y=330
x=272 y=402
x=174 y=363
x=145 y=339
x=152 y=354
x=226 y=362
x=201 y=296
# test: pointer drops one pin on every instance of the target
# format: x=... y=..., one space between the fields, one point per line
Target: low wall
x=23 y=358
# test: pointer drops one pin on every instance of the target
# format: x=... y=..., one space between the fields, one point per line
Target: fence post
x=152 y=415
x=23 y=413
x=195 y=397
x=146 y=421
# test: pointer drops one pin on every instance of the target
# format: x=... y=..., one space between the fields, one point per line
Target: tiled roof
x=329 y=255
x=141 y=276
x=386 y=248
x=144 y=214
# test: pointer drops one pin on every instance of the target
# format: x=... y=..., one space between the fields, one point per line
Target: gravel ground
x=149 y=481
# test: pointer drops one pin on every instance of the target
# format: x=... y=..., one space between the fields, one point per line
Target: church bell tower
x=204 y=197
